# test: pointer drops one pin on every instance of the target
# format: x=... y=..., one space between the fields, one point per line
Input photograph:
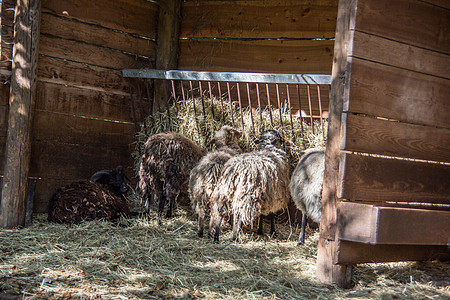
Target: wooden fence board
x=369 y=224
x=370 y=135
x=3 y=120
x=356 y=253
x=76 y=130
x=82 y=102
x=409 y=21
x=305 y=57
x=393 y=53
x=379 y=179
x=90 y=54
x=384 y=91
x=73 y=30
x=74 y=74
x=259 y=19
x=137 y=17
x=59 y=160
x=4 y=93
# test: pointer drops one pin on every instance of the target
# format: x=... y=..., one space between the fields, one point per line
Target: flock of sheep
x=241 y=187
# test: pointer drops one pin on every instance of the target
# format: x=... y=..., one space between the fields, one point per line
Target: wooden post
x=18 y=139
x=327 y=270
x=166 y=47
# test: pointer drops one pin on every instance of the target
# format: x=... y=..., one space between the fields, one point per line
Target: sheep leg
x=237 y=223
x=201 y=221
x=162 y=204
x=301 y=239
x=214 y=227
x=272 y=225
x=169 y=210
x=260 y=227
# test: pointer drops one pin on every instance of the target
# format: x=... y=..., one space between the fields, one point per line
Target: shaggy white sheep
x=203 y=177
x=252 y=184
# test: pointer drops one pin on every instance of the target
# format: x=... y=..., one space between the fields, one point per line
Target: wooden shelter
x=66 y=111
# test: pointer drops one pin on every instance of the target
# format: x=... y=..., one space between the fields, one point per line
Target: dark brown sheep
x=165 y=167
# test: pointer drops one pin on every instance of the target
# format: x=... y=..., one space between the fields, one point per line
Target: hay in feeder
x=199 y=119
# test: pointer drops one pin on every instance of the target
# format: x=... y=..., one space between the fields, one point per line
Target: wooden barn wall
x=397 y=102
x=289 y=36
x=6 y=37
x=393 y=149
x=258 y=36
x=83 y=120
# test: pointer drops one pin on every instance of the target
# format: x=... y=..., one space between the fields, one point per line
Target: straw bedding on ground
x=138 y=259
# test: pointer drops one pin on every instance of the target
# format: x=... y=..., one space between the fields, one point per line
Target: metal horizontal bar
x=228 y=76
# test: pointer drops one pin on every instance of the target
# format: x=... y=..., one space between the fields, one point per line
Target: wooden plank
x=409 y=21
x=259 y=19
x=82 y=102
x=379 y=179
x=357 y=253
x=273 y=56
x=393 y=53
x=4 y=94
x=136 y=17
x=167 y=49
x=440 y=3
x=327 y=270
x=58 y=160
x=377 y=136
x=90 y=54
x=80 y=130
x=68 y=73
x=18 y=139
x=383 y=91
x=70 y=29
x=369 y=224
x=3 y=120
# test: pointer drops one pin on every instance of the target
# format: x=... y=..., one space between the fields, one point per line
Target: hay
x=138 y=259
x=200 y=127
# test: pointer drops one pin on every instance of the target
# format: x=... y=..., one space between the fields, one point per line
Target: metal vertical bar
x=250 y=107
x=193 y=104
x=182 y=93
x=259 y=103
x=231 y=104
x=221 y=100
x=201 y=97
x=268 y=103
x=175 y=102
x=290 y=110
x=240 y=104
x=211 y=97
x=320 y=106
x=300 y=109
x=279 y=103
x=310 y=107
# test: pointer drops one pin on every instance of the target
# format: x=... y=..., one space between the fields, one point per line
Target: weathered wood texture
x=272 y=56
x=259 y=19
x=20 y=116
x=369 y=224
x=380 y=136
x=83 y=118
x=327 y=270
x=167 y=47
x=257 y=36
x=393 y=83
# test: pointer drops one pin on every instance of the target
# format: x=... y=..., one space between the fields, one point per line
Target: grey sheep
x=306 y=187
x=203 y=177
x=251 y=185
x=164 y=169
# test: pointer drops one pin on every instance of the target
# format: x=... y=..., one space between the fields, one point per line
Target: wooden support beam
x=18 y=140
x=166 y=47
x=370 y=224
x=327 y=270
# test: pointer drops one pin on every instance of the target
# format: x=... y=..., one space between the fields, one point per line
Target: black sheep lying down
x=113 y=179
